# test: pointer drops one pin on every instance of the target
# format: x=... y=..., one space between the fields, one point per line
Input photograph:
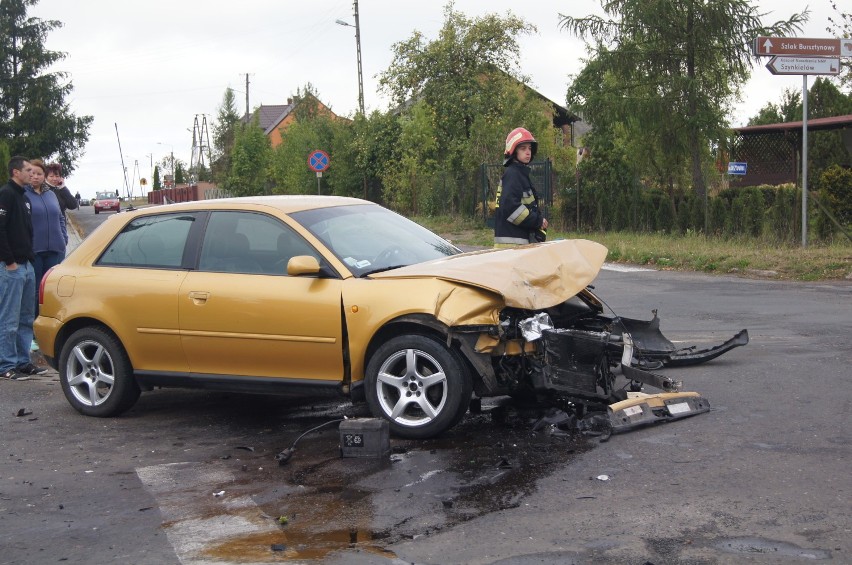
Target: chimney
x=290 y=101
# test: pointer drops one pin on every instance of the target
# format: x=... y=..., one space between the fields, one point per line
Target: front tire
x=96 y=375
x=419 y=385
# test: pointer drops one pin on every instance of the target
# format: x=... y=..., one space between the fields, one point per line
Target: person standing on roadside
x=67 y=201
x=519 y=220
x=17 y=278
x=48 y=223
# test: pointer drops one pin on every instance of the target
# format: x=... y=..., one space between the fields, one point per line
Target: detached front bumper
x=642 y=409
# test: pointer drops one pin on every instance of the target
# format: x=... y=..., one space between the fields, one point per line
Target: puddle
x=427 y=485
x=331 y=504
x=294 y=544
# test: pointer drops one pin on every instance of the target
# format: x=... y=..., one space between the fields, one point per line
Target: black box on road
x=364 y=437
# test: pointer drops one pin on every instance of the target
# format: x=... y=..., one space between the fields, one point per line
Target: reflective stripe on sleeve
x=519 y=215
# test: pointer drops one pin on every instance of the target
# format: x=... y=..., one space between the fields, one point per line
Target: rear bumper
x=45 y=330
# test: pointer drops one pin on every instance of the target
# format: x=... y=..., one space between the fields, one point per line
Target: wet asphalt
x=762 y=478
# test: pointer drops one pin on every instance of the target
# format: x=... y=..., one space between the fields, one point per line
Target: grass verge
x=690 y=252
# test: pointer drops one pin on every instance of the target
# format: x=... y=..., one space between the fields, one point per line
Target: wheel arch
x=421 y=324
x=72 y=326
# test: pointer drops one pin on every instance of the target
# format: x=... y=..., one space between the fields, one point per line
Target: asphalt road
x=763 y=478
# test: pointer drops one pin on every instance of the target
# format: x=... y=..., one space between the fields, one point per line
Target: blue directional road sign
x=318 y=161
x=737 y=168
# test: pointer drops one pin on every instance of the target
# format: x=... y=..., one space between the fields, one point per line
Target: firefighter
x=518 y=220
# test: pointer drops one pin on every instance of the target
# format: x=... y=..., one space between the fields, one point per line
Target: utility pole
x=247 y=97
x=357 y=27
x=358 y=46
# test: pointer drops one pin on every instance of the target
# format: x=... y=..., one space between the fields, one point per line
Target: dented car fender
x=449 y=304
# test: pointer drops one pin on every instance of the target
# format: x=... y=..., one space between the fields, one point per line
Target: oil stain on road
x=245 y=508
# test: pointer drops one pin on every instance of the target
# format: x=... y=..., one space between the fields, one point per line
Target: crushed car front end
x=552 y=342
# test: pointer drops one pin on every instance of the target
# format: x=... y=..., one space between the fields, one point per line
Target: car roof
x=287 y=203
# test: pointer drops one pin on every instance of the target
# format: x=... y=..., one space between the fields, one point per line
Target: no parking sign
x=318 y=161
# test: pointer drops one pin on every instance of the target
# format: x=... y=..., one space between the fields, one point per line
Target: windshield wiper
x=383 y=269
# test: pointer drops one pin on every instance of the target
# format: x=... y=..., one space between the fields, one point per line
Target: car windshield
x=105 y=195
x=369 y=238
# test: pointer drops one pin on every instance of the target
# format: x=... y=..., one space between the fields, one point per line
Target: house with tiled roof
x=276 y=118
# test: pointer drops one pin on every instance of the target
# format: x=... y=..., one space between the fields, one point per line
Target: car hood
x=528 y=276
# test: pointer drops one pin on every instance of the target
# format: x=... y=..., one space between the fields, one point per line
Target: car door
x=135 y=290
x=241 y=315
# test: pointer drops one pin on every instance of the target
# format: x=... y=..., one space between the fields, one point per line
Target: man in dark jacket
x=17 y=278
x=518 y=220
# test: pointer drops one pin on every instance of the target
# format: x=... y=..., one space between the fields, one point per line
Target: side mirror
x=303 y=265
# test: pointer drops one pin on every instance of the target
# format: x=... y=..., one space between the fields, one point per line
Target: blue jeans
x=17 y=312
x=44 y=261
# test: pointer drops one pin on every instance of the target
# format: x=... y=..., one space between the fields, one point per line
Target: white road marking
x=194 y=519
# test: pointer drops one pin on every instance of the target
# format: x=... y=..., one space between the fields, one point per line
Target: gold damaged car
x=313 y=294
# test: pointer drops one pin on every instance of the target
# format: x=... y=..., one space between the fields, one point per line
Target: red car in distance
x=105 y=201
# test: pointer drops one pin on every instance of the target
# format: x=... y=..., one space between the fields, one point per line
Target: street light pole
x=357 y=27
x=358 y=47
x=151 y=175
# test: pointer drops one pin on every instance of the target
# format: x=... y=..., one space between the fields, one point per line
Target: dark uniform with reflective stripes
x=518 y=220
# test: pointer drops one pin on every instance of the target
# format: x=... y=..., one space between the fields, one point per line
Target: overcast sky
x=151 y=67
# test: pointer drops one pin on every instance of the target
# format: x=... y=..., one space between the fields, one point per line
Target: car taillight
x=41 y=286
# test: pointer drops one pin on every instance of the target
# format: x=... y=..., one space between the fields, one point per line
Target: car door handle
x=198 y=296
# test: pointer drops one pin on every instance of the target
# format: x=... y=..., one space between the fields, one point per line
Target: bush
x=782 y=213
x=835 y=193
x=747 y=212
x=696 y=214
x=665 y=218
x=622 y=213
x=718 y=216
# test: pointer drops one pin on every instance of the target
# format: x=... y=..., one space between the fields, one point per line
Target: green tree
x=841 y=26
x=788 y=110
x=309 y=131
x=835 y=194
x=5 y=157
x=407 y=182
x=224 y=132
x=669 y=71
x=249 y=162
x=35 y=119
x=469 y=79
x=157 y=184
x=181 y=174
x=826 y=148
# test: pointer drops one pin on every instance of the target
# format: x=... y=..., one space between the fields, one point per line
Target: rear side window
x=155 y=242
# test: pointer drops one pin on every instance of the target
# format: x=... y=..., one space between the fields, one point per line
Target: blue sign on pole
x=737 y=168
x=318 y=161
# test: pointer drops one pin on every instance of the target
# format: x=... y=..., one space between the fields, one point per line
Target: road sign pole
x=805 y=56
x=804 y=160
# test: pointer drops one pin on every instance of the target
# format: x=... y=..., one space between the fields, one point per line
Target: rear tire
x=419 y=385
x=96 y=375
